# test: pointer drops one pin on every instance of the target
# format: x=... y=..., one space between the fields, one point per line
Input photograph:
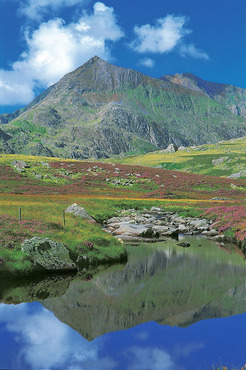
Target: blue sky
x=41 y=40
x=31 y=337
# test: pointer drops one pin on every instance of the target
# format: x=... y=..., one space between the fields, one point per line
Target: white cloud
x=56 y=48
x=162 y=37
x=147 y=62
x=191 y=51
x=167 y=34
x=35 y=9
x=15 y=88
x=150 y=358
x=44 y=342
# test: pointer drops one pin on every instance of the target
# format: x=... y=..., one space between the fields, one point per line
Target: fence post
x=19 y=213
x=64 y=220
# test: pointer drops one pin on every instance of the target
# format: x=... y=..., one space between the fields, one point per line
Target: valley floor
x=44 y=187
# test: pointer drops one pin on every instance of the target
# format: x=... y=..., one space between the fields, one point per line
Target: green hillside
x=226 y=158
x=100 y=110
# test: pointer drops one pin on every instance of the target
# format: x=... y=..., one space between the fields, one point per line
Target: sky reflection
x=31 y=337
x=43 y=341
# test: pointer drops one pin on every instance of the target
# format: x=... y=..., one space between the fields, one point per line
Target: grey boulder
x=48 y=255
x=76 y=210
x=134 y=230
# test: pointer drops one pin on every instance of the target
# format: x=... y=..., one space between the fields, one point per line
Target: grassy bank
x=45 y=187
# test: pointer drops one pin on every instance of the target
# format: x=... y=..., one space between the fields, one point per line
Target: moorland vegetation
x=43 y=187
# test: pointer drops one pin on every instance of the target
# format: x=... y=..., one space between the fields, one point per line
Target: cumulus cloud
x=39 y=332
x=147 y=62
x=162 y=37
x=191 y=51
x=35 y=9
x=15 y=88
x=42 y=333
x=56 y=48
x=167 y=34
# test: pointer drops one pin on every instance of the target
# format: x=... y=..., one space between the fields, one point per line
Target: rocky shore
x=156 y=224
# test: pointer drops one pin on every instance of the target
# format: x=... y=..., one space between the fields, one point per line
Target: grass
x=29 y=126
x=222 y=159
x=45 y=218
x=103 y=189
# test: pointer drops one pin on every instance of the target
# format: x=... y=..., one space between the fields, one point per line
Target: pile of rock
x=157 y=224
x=122 y=182
x=20 y=165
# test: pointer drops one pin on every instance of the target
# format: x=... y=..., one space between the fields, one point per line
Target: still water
x=168 y=308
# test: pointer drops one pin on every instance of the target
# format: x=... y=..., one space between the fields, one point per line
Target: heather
x=231 y=220
x=90 y=178
x=47 y=186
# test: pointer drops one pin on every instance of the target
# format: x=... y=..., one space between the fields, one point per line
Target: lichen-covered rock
x=48 y=254
x=76 y=210
x=20 y=165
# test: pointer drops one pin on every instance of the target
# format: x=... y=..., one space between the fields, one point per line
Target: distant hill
x=100 y=110
x=226 y=158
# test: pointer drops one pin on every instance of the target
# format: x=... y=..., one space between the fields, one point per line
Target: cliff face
x=232 y=97
x=100 y=110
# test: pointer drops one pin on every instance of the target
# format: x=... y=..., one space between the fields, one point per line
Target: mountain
x=100 y=110
x=8 y=117
x=234 y=98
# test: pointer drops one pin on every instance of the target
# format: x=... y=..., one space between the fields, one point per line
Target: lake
x=168 y=307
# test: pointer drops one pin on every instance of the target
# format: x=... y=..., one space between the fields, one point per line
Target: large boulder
x=201 y=225
x=129 y=229
x=76 y=210
x=46 y=254
x=172 y=148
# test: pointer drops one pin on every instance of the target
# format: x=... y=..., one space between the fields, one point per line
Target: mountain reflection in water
x=166 y=284
x=171 y=285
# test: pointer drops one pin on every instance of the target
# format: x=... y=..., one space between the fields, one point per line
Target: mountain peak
x=95 y=59
x=99 y=75
x=101 y=109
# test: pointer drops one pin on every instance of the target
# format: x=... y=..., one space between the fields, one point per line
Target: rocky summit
x=100 y=110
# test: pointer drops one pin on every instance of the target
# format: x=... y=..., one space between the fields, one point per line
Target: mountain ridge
x=100 y=110
x=220 y=92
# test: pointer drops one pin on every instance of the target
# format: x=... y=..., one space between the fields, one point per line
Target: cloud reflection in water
x=31 y=337
x=47 y=343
